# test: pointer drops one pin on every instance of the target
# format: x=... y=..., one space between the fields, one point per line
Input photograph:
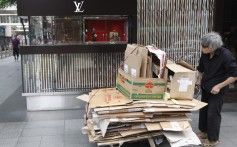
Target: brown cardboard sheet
x=150 y=102
x=124 y=115
x=127 y=106
x=153 y=126
x=184 y=102
x=132 y=132
x=103 y=98
x=121 y=111
x=175 y=126
x=138 y=50
x=185 y=64
x=129 y=139
x=170 y=118
x=132 y=65
x=198 y=105
x=149 y=68
x=161 y=106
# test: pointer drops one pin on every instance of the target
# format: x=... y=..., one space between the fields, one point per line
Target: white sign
x=183 y=84
x=126 y=68
x=78 y=6
x=134 y=72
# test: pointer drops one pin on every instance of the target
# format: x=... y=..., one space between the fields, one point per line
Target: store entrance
x=228 y=29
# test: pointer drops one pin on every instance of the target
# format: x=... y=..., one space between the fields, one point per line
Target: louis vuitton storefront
x=75 y=46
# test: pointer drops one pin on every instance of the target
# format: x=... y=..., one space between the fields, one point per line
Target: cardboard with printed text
x=140 y=88
x=107 y=97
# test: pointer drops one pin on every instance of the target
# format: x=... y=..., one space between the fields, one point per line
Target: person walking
x=216 y=70
x=16 y=48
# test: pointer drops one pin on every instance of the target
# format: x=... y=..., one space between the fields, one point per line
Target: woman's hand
x=216 y=89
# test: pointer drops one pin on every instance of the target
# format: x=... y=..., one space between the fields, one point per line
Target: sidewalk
x=62 y=128
x=10 y=77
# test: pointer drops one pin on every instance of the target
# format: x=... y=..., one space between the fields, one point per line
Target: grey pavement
x=62 y=128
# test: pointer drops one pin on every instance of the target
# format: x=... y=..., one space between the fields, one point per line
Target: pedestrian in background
x=216 y=70
x=16 y=48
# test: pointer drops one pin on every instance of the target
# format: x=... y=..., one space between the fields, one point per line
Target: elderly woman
x=217 y=69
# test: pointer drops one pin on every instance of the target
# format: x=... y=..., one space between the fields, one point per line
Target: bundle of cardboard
x=138 y=61
x=138 y=86
x=112 y=118
x=140 y=106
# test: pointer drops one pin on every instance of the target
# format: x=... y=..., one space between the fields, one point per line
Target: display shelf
x=105 y=29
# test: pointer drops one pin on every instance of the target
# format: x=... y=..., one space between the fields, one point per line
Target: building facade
x=82 y=43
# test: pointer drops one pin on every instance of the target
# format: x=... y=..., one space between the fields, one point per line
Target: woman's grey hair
x=212 y=40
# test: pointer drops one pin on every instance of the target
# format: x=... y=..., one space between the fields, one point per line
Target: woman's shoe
x=201 y=135
x=208 y=143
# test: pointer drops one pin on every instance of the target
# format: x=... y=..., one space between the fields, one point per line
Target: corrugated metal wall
x=44 y=73
x=175 y=26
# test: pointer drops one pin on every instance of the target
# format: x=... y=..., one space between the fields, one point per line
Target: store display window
x=56 y=30
x=78 y=30
x=101 y=30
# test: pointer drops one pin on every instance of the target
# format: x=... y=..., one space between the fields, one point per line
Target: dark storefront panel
x=225 y=22
x=58 y=49
x=72 y=7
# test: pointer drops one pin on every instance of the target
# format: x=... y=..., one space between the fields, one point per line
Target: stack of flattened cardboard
x=113 y=118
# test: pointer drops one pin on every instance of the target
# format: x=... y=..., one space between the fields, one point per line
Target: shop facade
x=77 y=46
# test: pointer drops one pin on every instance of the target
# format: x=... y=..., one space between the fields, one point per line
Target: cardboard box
x=140 y=88
x=132 y=65
x=140 y=52
x=183 y=82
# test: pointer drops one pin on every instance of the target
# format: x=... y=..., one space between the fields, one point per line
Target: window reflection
x=78 y=30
